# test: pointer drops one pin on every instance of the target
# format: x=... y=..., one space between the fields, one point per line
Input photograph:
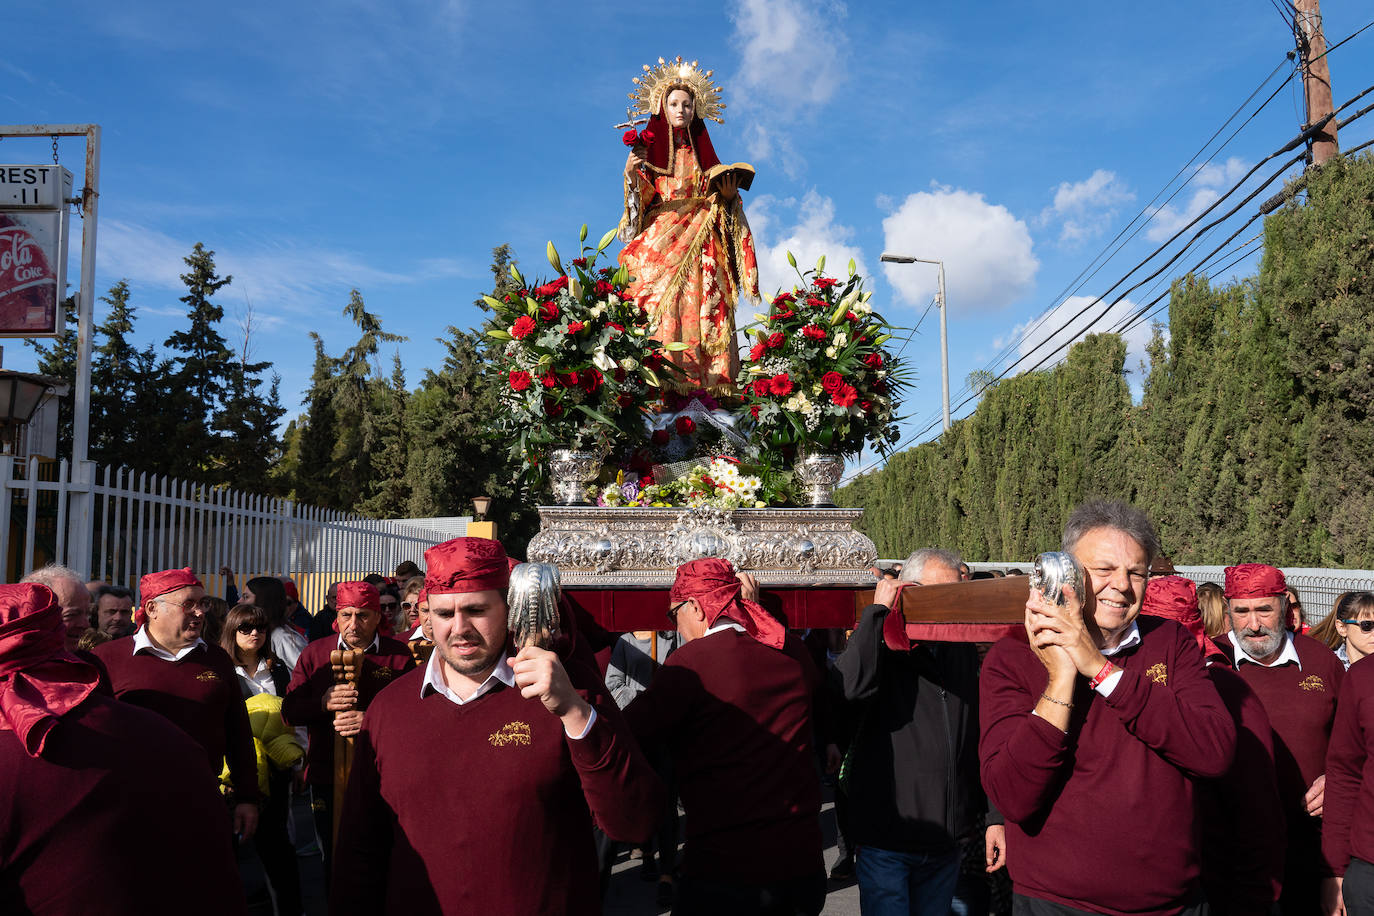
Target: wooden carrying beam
x=982 y=601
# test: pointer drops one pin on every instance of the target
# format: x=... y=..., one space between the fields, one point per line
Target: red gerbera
x=813 y=331
x=754 y=411
x=756 y=352
x=845 y=396
x=551 y=288
x=761 y=388
x=780 y=384
x=574 y=327
x=831 y=382
x=524 y=326
x=685 y=426
x=865 y=406
x=519 y=381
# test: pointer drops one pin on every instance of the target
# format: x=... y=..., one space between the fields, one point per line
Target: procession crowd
x=1122 y=753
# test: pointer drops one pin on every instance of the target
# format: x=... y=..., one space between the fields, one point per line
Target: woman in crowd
x=1349 y=628
x=268 y=593
x=1212 y=603
x=1297 y=617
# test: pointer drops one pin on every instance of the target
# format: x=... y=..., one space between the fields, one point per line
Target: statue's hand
x=728 y=185
x=635 y=160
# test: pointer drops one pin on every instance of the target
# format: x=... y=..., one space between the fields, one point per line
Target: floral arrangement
x=579 y=366
x=817 y=377
x=723 y=483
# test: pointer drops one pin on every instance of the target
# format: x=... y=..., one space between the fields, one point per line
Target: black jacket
x=911 y=776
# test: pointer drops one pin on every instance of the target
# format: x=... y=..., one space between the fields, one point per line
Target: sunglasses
x=1366 y=626
x=672 y=611
x=247 y=628
x=389 y=605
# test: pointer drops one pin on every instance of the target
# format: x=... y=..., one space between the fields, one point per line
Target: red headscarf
x=1254 y=580
x=364 y=595
x=1175 y=598
x=155 y=585
x=39 y=681
x=291 y=591
x=466 y=565
x=713 y=584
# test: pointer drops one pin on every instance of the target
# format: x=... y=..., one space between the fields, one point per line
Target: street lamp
x=944 y=333
x=480 y=505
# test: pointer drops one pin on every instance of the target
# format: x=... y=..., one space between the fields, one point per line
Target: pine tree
x=313 y=436
x=114 y=373
x=389 y=490
x=354 y=396
x=204 y=367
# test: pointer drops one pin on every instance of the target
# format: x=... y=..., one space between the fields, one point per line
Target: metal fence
x=141 y=522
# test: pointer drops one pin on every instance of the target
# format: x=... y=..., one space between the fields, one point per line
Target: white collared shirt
x=1287 y=655
x=259 y=681
x=1132 y=638
x=142 y=642
x=726 y=624
x=502 y=673
x=417 y=633
x=376 y=643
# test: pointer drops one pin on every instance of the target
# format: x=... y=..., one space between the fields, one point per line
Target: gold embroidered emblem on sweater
x=207 y=676
x=1313 y=682
x=382 y=673
x=511 y=733
x=1158 y=672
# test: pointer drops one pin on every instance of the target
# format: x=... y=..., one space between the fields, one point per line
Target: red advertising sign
x=33 y=253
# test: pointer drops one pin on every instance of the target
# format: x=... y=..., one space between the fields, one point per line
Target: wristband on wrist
x=1046 y=696
x=1102 y=675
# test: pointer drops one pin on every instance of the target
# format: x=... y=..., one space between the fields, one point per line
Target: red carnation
x=831 y=382
x=579 y=262
x=851 y=317
x=524 y=326
x=780 y=384
x=548 y=311
x=630 y=137
x=824 y=282
x=754 y=411
x=756 y=352
x=618 y=327
x=685 y=426
x=519 y=381
x=873 y=360
x=549 y=380
x=784 y=297
x=815 y=303
x=761 y=388
x=845 y=396
x=815 y=332
x=591 y=380
x=774 y=340
x=783 y=314
x=660 y=437
x=551 y=288
x=574 y=327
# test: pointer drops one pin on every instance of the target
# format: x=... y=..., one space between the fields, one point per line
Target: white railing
x=142 y=523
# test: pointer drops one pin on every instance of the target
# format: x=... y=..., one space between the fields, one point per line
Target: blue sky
x=389 y=146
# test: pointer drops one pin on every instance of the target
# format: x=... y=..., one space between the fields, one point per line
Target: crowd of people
x=1140 y=746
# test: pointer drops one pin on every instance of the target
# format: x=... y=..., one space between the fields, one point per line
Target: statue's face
x=678 y=106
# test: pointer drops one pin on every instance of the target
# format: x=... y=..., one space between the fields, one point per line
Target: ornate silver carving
x=642 y=547
x=819 y=474
x=532 y=604
x=572 y=472
x=1052 y=572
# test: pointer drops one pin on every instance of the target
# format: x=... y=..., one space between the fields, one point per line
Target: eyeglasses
x=672 y=611
x=248 y=628
x=408 y=605
x=388 y=605
x=1366 y=626
x=187 y=606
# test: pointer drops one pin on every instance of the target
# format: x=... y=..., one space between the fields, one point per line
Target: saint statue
x=688 y=251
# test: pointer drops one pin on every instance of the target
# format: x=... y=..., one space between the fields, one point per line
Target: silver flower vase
x=571 y=471
x=818 y=474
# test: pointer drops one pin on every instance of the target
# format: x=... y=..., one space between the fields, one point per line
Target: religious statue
x=689 y=251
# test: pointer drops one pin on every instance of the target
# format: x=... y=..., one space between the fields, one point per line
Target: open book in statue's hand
x=743 y=171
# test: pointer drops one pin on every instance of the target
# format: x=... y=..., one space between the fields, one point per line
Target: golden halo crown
x=657 y=82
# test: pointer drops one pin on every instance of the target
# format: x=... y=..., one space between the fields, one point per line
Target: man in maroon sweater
x=327 y=709
x=82 y=780
x=734 y=707
x=166 y=667
x=1348 y=822
x=1298 y=679
x=1095 y=727
x=477 y=777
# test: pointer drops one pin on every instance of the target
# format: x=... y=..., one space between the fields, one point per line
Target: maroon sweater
x=1349 y=808
x=1103 y=818
x=485 y=808
x=736 y=716
x=1301 y=704
x=311 y=680
x=200 y=693
x=118 y=816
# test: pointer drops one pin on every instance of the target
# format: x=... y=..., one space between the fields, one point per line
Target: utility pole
x=944 y=332
x=1316 y=76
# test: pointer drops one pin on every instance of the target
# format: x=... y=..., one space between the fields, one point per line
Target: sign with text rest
x=33 y=249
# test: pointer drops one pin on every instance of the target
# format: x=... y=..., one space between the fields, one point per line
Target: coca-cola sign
x=31 y=266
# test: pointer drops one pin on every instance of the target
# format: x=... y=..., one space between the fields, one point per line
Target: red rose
x=815 y=303
x=574 y=327
x=824 y=283
x=548 y=312
x=568 y=379
x=873 y=360
x=754 y=411
x=774 y=340
x=619 y=374
x=524 y=326
x=549 y=380
x=761 y=388
x=654 y=360
x=624 y=400
x=591 y=380
x=756 y=352
x=551 y=288
x=780 y=384
x=845 y=396
x=630 y=137
x=552 y=409
x=660 y=437
x=519 y=381
x=815 y=332
x=603 y=288
x=646 y=137
x=831 y=382
x=685 y=426
x=880 y=385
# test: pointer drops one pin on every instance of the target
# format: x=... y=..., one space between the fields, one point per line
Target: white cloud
x=771 y=92
x=1209 y=180
x=987 y=251
x=1036 y=339
x=1086 y=208
x=813 y=233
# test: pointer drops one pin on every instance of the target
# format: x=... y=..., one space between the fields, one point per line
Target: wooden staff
x=347 y=665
